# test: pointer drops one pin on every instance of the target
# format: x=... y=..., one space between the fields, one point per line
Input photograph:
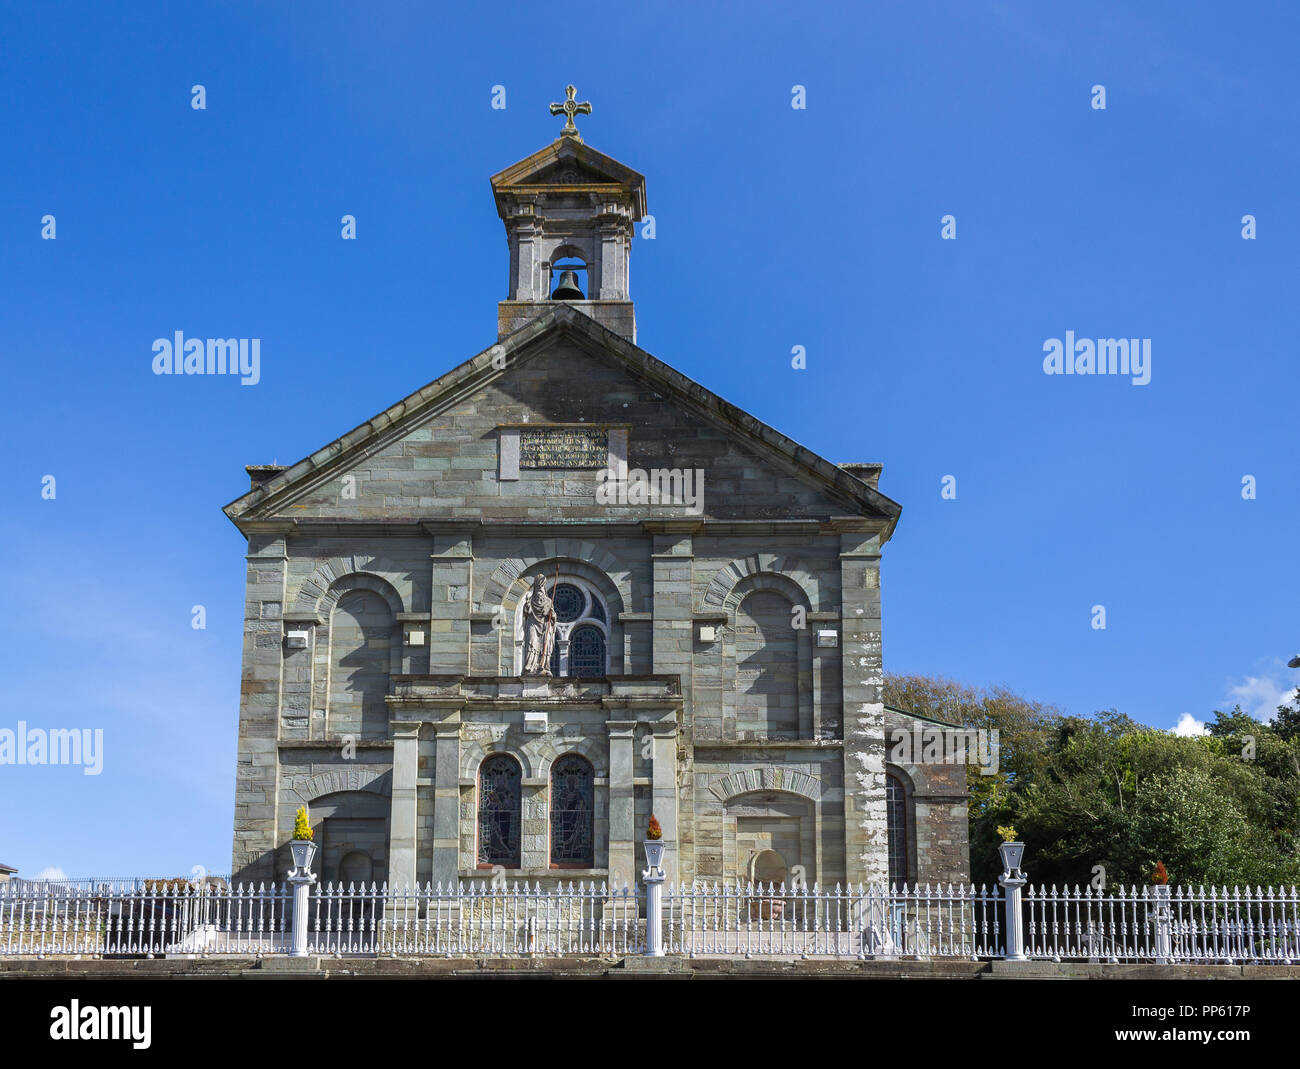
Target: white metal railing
x=1156 y=924
x=953 y=921
x=143 y=918
x=91 y=883
x=479 y=918
x=476 y=919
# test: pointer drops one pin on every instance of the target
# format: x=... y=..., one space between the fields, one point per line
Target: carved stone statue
x=539 y=629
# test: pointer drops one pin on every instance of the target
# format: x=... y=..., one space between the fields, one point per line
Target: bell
x=567 y=290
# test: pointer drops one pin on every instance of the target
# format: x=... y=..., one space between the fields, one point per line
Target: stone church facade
x=717 y=612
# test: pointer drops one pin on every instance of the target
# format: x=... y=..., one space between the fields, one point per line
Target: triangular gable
x=278 y=487
x=566 y=163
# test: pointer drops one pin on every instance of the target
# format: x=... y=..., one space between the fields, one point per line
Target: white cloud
x=1261 y=695
x=54 y=873
x=1189 y=725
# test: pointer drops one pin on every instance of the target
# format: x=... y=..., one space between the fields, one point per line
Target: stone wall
x=419 y=530
x=339 y=589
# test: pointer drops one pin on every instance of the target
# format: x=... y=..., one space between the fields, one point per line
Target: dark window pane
x=569 y=603
x=896 y=818
x=498 y=812
x=598 y=610
x=573 y=813
x=586 y=652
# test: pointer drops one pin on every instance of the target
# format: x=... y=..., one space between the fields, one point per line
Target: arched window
x=586 y=652
x=573 y=813
x=499 y=804
x=361 y=628
x=581 y=631
x=767 y=668
x=896 y=826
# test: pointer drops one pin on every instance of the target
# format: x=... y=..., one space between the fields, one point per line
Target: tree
x=1108 y=795
x=1023 y=727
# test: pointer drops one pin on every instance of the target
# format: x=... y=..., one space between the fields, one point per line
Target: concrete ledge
x=1080 y=970
x=632 y=968
x=629 y=968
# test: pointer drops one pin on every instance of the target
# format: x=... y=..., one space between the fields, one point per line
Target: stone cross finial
x=569 y=109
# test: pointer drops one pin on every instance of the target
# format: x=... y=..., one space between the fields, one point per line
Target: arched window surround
x=595 y=614
x=572 y=813
x=499 y=812
x=900 y=828
x=318 y=725
x=793 y=593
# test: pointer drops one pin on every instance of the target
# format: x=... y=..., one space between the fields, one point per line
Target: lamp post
x=1012 y=880
x=300 y=878
x=654 y=892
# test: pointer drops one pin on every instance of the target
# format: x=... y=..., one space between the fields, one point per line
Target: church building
x=562 y=588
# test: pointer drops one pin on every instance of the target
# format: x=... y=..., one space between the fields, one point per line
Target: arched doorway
x=768 y=867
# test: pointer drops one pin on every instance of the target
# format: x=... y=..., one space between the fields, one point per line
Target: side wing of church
x=706 y=647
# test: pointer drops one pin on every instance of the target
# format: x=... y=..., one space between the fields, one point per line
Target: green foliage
x=1024 y=728
x=1106 y=791
x=302 y=826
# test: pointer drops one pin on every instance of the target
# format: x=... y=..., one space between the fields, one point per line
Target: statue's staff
x=549 y=643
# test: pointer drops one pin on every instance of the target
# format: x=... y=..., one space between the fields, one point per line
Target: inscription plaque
x=564 y=447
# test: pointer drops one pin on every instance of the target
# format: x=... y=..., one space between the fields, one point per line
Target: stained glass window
x=573 y=812
x=896 y=826
x=569 y=603
x=586 y=652
x=581 y=639
x=498 y=812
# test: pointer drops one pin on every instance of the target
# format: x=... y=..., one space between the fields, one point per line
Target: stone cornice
x=449 y=693
x=657 y=527
x=272 y=526
x=768 y=745
x=334 y=745
x=416 y=527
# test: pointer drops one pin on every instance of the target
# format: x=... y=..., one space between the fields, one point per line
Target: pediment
x=437 y=454
x=567 y=173
x=565 y=163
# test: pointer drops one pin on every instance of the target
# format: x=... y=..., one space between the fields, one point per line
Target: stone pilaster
x=451 y=563
x=673 y=651
x=613 y=243
x=257 y=776
x=673 y=558
x=866 y=849
x=403 y=820
x=622 y=802
x=446 y=805
x=663 y=793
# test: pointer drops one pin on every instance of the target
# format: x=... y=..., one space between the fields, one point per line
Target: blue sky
x=775 y=227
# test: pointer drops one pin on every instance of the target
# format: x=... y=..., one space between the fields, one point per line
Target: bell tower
x=569 y=213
